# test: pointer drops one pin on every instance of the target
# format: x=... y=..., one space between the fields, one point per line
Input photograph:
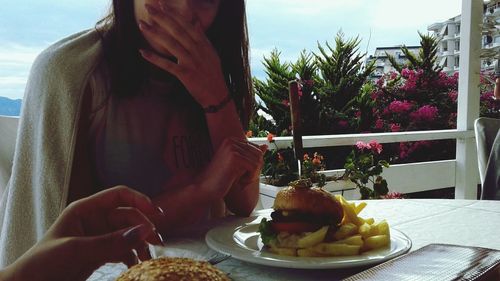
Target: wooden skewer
x=296 y=123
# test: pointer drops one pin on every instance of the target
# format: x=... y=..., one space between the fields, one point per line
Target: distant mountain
x=10 y=107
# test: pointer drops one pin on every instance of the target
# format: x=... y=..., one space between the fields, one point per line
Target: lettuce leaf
x=267 y=233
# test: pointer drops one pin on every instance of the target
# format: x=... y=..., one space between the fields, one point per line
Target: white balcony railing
x=404 y=178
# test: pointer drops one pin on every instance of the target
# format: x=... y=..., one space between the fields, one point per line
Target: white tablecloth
x=461 y=222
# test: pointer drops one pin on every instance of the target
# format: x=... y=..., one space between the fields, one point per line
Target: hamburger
x=173 y=269
x=300 y=209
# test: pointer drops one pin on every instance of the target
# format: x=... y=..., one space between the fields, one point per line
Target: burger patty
x=295 y=216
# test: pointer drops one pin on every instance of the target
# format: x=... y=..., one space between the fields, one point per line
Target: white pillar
x=466 y=178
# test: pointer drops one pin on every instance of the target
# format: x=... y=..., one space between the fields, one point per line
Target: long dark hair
x=229 y=35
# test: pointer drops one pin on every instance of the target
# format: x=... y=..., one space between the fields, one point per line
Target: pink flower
x=453 y=95
x=393 y=195
x=362 y=146
x=375 y=146
x=406 y=73
x=393 y=75
x=400 y=106
x=379 y=124
x=395 y=127
x=487 y=96
x=426 y=113
x=285 y=103
x=358 y=114
x=411 y=77
x=380 y=82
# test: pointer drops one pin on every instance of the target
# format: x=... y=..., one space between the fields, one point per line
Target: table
x=425 y=221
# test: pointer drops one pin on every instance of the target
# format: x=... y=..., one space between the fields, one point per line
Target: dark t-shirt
x=151 y=142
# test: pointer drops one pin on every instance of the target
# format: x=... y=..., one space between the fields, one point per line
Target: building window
x=457 y=61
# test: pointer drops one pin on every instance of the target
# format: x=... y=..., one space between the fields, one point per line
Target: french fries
x=313 y=238
x=355 y=235
x=377 y=241
x=345 y=231
x=333 y=249
x=356 y=240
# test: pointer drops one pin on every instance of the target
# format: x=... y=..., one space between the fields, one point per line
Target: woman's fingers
x=167 y=42
x=249 y=150
x=125 y=217
x=161 y=62
x=143 y=252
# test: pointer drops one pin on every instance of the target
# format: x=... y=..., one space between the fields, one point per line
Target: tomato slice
x=295 y=227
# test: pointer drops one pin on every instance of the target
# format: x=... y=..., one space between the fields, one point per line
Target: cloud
x=309 y=8
x=394 y=15
x=14 y=54
x=15 y=62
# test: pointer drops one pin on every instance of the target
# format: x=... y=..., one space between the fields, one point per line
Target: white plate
x=241 y=240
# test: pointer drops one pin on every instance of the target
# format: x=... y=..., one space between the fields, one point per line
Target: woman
x=156 y=98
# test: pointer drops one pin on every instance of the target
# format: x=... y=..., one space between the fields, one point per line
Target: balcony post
x=466 y=177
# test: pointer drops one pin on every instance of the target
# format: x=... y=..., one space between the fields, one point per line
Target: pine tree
x=331 y=82
x=343 y=74
x=426 y=59
x=273 y=92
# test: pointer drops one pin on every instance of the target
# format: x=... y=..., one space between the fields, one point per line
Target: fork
x=218 y=258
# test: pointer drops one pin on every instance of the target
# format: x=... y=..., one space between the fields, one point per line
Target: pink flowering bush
x=364 y=166
x=415 y=100
x=426 y=113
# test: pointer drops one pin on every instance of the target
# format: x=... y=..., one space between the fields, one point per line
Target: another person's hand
x=197 y=64
x=105 y=227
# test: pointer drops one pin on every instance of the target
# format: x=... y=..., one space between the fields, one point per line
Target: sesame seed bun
x=313 y=200
x=173 y=269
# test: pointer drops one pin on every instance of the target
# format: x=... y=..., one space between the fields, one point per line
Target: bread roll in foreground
x=173 y=269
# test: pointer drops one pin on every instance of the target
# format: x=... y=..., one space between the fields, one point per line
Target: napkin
x=438 y=262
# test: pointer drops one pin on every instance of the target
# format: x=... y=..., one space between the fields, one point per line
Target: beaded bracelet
x=218 y=107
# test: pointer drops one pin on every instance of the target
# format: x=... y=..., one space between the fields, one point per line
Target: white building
x=449 y=34
x=491 y=35
x=383 y=65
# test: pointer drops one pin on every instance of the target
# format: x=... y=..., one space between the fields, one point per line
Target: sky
x=29 y=26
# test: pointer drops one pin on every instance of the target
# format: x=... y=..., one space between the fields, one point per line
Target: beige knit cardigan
x=38 y=188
